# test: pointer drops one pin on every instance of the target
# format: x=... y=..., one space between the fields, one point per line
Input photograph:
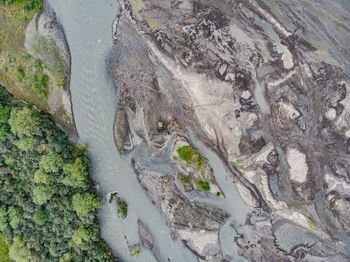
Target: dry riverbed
x=246 y=80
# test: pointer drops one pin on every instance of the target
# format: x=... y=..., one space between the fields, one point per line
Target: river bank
x=36 y=60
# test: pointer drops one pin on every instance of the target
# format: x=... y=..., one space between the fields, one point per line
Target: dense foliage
x=47 y=201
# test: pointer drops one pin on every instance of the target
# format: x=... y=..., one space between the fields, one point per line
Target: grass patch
x=202 y=185
x=49 y=53
x=191 y=156
x=4 y=250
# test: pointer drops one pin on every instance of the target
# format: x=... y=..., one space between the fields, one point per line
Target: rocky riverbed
x=265 y=85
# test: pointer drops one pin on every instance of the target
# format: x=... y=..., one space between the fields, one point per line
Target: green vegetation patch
x=135 y=250
x=47 y=201
x=238 y=163
x=122 y=208
x=191 y=156
x=311 y=223
x=202 y=185
x=137 y=6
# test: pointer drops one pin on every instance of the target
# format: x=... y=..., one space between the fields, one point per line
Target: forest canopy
x=47 y=201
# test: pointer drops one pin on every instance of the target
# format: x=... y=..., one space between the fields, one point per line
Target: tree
x=14 y=216
x=24 y=122
x=42 y=194
x=4 y=126
x=4 y=114
x=40 y=177
x=3 y=218
x=18 y=251
x=51 y=162
x=40 y=217
x=26 y=143
x=84 y=204
x=76 y=173
x=81 y=235
x=4 y=131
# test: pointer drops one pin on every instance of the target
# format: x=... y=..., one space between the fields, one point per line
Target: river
x=87 y=24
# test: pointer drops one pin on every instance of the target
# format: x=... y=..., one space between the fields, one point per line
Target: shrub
x=202 y=185
x=191 y=156
x=185 y=180
x=34 y=5
x=122 y=209
x=134 y=250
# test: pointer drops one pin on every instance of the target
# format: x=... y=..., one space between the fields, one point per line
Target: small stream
x=87 y=24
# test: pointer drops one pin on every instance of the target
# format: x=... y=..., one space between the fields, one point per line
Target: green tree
x=4 y=126
x=40 y=177
x=76 y=173
x=26 y=143
x=4 y=114
x=81 y=235
x=42 y=194
x=4 y=131
x=51 y=162
x=3 y=218
x=18 y=251
x=84 y=204
x=24 y=121
x=40 y=217
x=15 y=217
